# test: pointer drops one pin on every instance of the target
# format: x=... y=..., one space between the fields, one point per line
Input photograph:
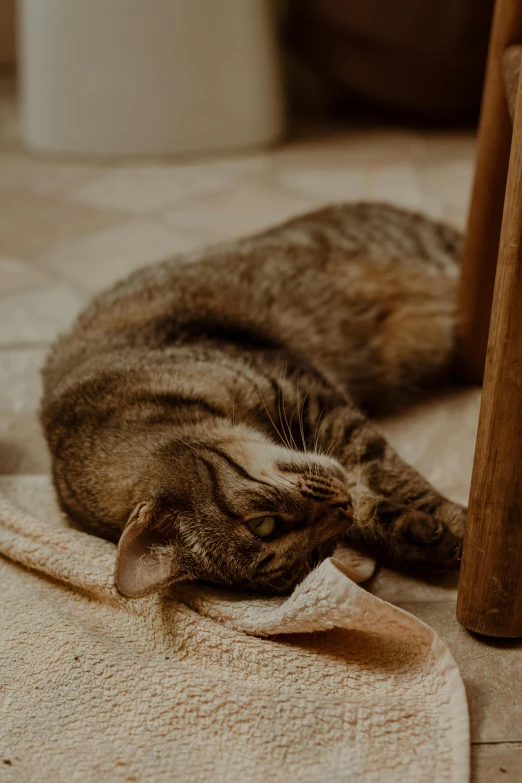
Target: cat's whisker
x=299 y=416
x=312 y=466
x=283 y=441
x=291 y=442
x=317 y=431
x=292 y=416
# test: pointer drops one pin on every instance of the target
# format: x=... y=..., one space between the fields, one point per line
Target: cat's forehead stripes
x=218 y=495
x=266 y=489
x=237 y=467
x=266 y=494
x=231 y=462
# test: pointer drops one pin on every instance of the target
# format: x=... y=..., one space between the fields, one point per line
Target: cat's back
x=302 y=285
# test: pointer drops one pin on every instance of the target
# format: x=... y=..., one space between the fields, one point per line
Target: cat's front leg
x=405 y=535
x=396 y=509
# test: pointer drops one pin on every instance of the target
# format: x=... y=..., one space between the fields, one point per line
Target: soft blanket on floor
x=331 y=684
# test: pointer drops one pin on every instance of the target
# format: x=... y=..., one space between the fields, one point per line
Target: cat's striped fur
x=211 y=389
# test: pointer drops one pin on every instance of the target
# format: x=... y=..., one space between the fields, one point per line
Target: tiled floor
x=69 y=228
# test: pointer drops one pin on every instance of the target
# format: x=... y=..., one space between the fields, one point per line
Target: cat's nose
x=344 y=505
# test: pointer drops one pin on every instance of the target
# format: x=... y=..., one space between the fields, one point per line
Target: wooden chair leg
x=490 y=588
x=485 y=217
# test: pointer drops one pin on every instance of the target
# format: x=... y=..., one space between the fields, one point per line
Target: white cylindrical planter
x=148 y=77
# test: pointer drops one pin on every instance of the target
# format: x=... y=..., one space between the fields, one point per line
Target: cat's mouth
x=331 y=530
x=324 y=550
x=336 y=523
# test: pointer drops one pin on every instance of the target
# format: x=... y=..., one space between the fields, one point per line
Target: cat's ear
x=147 y=559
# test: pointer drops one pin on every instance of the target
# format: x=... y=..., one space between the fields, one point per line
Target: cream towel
x=331 y=684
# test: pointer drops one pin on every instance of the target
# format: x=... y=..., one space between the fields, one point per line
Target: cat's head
x=233 y=508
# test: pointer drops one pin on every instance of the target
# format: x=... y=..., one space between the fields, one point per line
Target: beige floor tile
x=142 y=189
x=427 y=171
x=39 y=314
x=21 y=171
x=238 y=211
x=448 y=185
x=30 y=224
x=17 y=275
x=398 y=587
x=232 y=167
x=491 y=670
x=395 y=183
x=325 y=184
x=354 y=146
x=500 y=763
x=21 y=385
x=96 y=261
x=22 y=445
x=446 y=146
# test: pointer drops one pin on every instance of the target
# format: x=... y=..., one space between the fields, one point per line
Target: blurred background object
x=424 y=58
x=7 y=35
x=175 y=76
x=155 y=77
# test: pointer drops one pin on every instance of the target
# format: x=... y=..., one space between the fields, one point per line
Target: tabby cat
x=207 y=412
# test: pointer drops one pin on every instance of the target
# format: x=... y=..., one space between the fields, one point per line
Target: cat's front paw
x=421 y=538
x=453 y=515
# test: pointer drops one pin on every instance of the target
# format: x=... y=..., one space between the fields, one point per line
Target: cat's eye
x=262 y=526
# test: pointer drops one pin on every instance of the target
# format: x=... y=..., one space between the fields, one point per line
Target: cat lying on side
x=207 y=412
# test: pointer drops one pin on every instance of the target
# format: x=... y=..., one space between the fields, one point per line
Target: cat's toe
x=453 y=515
x=446 y=553
x=416 y=527
x=424 y=539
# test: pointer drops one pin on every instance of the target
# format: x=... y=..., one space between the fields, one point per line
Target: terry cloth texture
x=198 y=684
